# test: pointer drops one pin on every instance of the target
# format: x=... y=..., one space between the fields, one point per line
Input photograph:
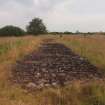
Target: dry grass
x=91 y=47
x=14 y=48
x=75 y=94
x=11 y=49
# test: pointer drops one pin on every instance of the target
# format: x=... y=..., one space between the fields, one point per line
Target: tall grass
x=91 y=47
x=12 y=49
x=75 y=94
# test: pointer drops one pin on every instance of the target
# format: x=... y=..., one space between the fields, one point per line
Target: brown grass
x=91 y=47
x=12 y=49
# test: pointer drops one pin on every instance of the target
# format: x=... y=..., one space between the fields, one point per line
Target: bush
x=11 y=31
x=67 y=32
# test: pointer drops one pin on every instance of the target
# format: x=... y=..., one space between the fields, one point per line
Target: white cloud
x=59 y=15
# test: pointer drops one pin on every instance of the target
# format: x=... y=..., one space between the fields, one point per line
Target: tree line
x=35 y=27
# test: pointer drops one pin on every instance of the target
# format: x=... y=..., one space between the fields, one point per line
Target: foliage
x=67 y=32
x=36 y=26
x=11 y=31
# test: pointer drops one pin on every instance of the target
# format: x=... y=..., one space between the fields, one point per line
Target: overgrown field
x=12 y=49
x=91 y=47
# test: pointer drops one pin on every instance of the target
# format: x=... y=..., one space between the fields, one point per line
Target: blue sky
x=58 y=15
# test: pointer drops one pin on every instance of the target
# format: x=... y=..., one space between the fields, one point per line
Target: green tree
x=11 y=31
x=67 y=32
x=36 y=26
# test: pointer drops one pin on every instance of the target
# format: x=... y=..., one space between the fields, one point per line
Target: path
x=54 y=64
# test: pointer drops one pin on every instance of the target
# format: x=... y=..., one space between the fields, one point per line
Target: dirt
x=52 y=65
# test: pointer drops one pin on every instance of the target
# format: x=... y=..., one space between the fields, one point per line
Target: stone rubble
x=54 y=64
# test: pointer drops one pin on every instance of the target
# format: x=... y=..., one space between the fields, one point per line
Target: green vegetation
x=4 y=48
x=36 y=26
x=67 y=32
x=11 y=31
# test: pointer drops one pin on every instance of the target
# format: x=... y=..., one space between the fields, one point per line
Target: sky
x=58 y=15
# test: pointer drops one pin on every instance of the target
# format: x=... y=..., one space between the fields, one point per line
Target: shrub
x=11 y=31
x=67 y=32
